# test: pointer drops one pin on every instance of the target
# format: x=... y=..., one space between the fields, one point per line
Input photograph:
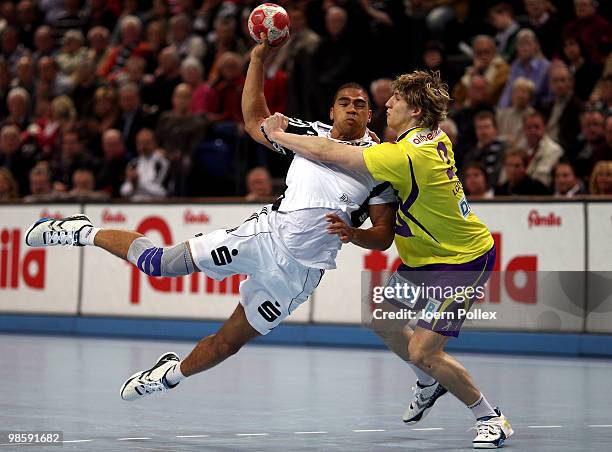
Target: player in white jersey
x=284 y=249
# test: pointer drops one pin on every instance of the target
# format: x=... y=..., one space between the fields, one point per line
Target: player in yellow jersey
x=442 y=244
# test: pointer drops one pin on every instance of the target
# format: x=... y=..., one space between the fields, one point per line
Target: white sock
x=87 y=235
x=174 y=375
x=423 y=378
x=482 y=408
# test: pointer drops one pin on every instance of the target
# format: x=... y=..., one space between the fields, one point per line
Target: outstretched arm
x=315 y=148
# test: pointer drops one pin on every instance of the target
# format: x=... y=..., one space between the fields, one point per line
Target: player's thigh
x=227 y=252
x=269 y=298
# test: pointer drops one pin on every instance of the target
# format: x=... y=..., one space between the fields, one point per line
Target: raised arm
x=254 y=106
x=315 y=148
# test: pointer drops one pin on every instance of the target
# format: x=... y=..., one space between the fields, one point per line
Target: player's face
x=398 y=112
x=351 y=113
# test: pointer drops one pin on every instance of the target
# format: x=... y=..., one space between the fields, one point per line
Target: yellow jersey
x=434 y=223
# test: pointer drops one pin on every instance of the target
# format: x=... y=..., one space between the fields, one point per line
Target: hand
x=275 y=123
x=131 y=174
x=373 y=136
x=261 y=50
x=340 y=228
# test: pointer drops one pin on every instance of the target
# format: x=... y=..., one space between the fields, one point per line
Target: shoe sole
x=138 y=374
x=47 y=219
x=419 y=417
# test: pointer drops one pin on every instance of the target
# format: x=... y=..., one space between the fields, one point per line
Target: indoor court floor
x=270 y=398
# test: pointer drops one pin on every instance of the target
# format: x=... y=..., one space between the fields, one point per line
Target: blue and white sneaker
x=146 y=382
x=423 y=401
x=492 y=432
x=52 y=232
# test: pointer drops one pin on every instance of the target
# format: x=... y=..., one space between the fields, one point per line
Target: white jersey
x=314 y=189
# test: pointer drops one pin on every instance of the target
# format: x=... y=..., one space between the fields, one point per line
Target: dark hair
x=517 y=152
x=352 y=85
x=502 y=8
x=485 y=114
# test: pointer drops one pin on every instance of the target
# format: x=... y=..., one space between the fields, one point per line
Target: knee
x=419 y=356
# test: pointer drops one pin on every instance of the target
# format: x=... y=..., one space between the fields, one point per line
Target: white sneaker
x=492 y=432
x=423 y=401
x=146 y=382
x=52 y=232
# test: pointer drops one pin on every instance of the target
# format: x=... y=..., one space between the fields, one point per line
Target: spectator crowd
x=141 y=99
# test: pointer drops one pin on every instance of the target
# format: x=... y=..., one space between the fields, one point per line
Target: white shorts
x=276 y=285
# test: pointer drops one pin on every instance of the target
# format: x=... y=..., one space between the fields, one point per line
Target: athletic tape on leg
x=157 y=261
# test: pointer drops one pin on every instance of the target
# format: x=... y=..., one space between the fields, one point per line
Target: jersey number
x=443 y=153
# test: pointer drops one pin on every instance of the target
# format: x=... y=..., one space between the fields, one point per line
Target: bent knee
x=420 y=356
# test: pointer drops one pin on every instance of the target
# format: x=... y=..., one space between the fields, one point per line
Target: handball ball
x=272 y=20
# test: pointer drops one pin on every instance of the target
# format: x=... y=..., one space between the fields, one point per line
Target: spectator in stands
x=603 y=95
x=98 y=13
x=41 y=187
x=69 y=18
x=192 y=73
x=51 y=83
x=475 y=181
x=593 y=31
x=28 y=22
x=83 y=187
x=226 y=39
x=590 y=146
x=146 y=174
x=563 y=110
x=565 y=182
x=331 y=62
x=608 y=137
x=381 y=92
x=98 y=39
x=518 y=181
x=133 y=116
x=178 y=131
x=489 y=149
x=5 y=86
x=226 y=92
x=486 y=63
x=112 y=171
x=86 y=82
x=44 y=43
x=11 y=48
x=529 y=63
x=601 y=179
x=12 y=157
x=18 y=105
x=167 y=77
x=72 y=157
x=106 y=114
x=182 y=40
x=510 y=120
x=156 y=36
x=478 y=100
x=135 y=72
x=259 y=185
x=131 y=44
x=542 y=152
x=9 y=190
x=545 y=24
x=434 y=59
x=72 y=53
x=585 y=73
x=24 y=75
x=501 y=16
x=47 y=130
